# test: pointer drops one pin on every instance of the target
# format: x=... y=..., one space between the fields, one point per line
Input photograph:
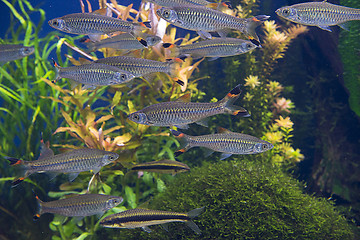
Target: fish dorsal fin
x=45 y=151
x=101 y=11
x=184 y=98
x=223 y=130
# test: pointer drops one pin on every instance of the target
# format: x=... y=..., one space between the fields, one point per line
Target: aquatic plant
x=242 y=200
x=347 y=44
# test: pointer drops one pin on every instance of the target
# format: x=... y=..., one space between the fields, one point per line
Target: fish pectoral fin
x=225 y=155
x=204 y=35
x=52 y=175
x=223 y=32
x=184 y=126
x=165 y=226
x=208 y=152
x=326 y=28
x=146 y=229
x=203 y=122
x=212 y=59
x=89 y=87
x=77 y=219
x=72 y=176
x=178 y=21
x=95 y=37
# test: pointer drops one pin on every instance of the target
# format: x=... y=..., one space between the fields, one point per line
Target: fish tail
x=21 y=163
x=57 y=69
x=251 y=24
x=140 y=27
x=184 y=142
x=14 y=161
x=174 y=65
x=192 y=214
x=142 y=41
x=228 y=101
x=174 y=50
x=39 y=211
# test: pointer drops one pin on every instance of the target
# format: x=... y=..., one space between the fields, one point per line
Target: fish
x=320 y=14
x=181 y=112
x=93 y=74
x=204 y=20
x=213 y=48
x=162 y=166
x=225 y=141
x=141 y=67
x=72 y=162
x=10 y=52
x=124 y=41
x=96 y=24
x=142 y=218
x=78 y=206
x=173 y=3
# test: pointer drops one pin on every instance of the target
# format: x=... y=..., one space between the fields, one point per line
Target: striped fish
x=181 y=112
x=141 y=67
x=93 y=74
x=78 y=206
x=136 y=218
x=95 y=24
x=162 y=166
x=225 y=141
x=124 y=41
x=205 y=20
x=10 y=52
x=214 y=48
x=72 y=162
x=320 y=14
x=173 y=3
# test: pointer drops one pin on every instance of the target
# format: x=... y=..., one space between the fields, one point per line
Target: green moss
x=243 y=200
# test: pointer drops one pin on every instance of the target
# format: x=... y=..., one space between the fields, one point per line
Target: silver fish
x=214 y=48
x=162 y=166
x=320 y=14
x=124 y=42
x=140 y=67
x=142 y=218
x=92 y=24
x=225 y=141
x=72 y=162
x=180 y=113
x=173 y=3
x=78 y=206
x=205 y=20
x=10 y=52
x=94 y=74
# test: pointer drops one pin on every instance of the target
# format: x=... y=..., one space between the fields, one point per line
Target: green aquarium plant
x=348 y=43
x=243 y=200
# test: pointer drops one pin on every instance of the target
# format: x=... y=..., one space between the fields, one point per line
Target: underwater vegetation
x=242 y=200
x=251 y=192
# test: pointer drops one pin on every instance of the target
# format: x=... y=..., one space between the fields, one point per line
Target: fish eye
x=136 y=117
x=111 y=157
x=55 y=23
x=286 y=11
x=123 y=76
x=264 y=147
x=166 y=13
x=249 y=45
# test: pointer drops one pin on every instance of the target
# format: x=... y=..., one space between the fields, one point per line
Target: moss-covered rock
x=243 y=201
